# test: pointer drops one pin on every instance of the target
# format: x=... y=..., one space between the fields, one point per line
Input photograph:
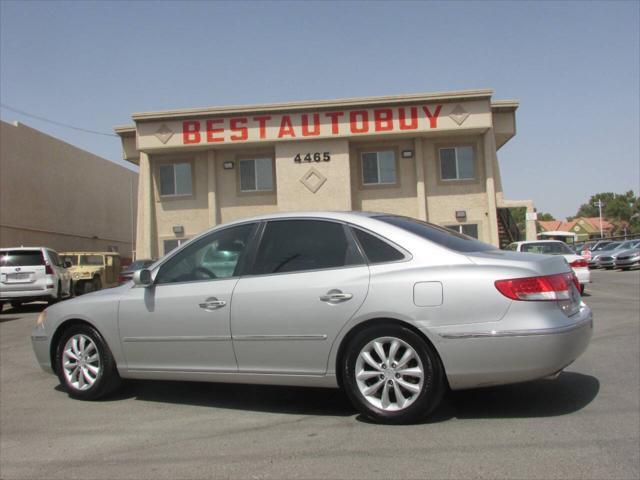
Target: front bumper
x=627 y=262
x=502 y=356
x=40 y=344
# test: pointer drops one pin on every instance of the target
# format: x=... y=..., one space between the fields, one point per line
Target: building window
x=379 y=168
x=470 y=229
x=175 y=179
x=256 y=175
x=172 y=244
x=457 y=163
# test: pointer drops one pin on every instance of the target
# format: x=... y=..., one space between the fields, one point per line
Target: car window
x=215 y=256
x=547 y=248
x=296 y=245
x=92 y=260
x=611 y=246
x=440 y=235
x=376 y=249
x=21 y=258
x=73 y=259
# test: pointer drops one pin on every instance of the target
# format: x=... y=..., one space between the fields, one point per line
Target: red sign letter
x=305 y=125
x=335 y=126
x=402 y=115
x=211 y=131
x=384 y=119
x=353 y=117
x=244 y=134
x=190 y=132
x=285 y=127
x=262 y=120
x=433 y=119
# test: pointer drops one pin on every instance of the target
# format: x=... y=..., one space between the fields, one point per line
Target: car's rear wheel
x=84 y=364
x=392 y=375
x=58 y=296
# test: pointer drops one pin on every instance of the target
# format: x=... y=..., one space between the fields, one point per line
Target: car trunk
x=22 y=270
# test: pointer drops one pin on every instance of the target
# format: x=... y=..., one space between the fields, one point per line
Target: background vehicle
x=628 y=259
x=127 y=273
x=603 y=248
x=608 y=260
x=555 y=247
x=392 y=309
x=566 y=237
x=92 y=271
x=32 y=273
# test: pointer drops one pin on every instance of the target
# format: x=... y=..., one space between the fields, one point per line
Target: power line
x=60 y=124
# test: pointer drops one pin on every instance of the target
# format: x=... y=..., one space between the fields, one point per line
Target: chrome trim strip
x=242 y=338
x=218 y=338
x=520 y=333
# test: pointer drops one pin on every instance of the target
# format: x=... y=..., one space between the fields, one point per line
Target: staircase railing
x=509 y=225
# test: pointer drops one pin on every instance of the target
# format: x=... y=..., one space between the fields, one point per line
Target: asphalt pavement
x=585 y=424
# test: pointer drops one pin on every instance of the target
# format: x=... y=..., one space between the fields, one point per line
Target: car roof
x=540 y=241
x=6 y=249
x=88 y=253
x=331 y=215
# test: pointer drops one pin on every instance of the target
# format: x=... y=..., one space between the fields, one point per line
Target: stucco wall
x=57 y=195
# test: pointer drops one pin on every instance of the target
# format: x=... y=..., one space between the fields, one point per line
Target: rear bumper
x=497 y=357
x=583 y=274
x=27 y=295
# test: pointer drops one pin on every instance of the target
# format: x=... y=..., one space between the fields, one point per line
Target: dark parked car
x=127 y=274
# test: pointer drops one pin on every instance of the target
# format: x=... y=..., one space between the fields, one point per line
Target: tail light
x=580 y=263
x=47 y=269
x=546 y=288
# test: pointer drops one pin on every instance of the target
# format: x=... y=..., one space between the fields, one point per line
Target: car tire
x=16 y=305
x=96 y=284
x=582 y=289
x=413 y=387
x=1 y=306
x=84 y=364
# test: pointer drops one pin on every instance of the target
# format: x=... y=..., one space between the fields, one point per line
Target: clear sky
x=574 y=66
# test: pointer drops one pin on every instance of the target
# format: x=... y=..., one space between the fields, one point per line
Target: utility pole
x=599 y=205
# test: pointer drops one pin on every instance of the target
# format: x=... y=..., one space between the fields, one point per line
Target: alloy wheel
x=81 y=362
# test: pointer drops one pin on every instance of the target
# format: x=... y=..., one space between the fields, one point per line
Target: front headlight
x=41 y=319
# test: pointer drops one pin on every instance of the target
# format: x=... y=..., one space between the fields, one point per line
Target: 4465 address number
x=312 y=157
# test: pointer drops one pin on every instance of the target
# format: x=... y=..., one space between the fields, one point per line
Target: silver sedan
x=391 y=309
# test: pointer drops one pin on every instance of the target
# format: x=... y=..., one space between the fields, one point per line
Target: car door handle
x=212 y=304
x=336 y=296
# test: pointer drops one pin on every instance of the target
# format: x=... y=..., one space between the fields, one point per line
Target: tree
x=545 y=217
x=621 y=209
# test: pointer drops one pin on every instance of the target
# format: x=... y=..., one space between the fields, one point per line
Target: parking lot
x=585 y=424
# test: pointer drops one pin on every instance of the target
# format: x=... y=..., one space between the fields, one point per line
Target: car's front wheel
x=84 y=364
x=392 y=375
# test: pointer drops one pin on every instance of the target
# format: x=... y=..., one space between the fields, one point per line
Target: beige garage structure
x=56 y=195
x=428 y=156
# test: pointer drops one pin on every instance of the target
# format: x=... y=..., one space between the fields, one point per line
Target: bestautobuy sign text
x=265 y=127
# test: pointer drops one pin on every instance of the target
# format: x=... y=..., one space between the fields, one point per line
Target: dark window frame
x=406 y=256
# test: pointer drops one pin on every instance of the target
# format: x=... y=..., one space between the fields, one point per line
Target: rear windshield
x=547 y=248
x=440 y=235
x=91 y=260
x=21 y=258
x=70 y=258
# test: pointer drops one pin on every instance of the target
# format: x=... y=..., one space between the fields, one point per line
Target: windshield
x=610 y=246
x=92 y=260
x=21 y=258
x=440 y=235
x=547 y=248
x=70 y=258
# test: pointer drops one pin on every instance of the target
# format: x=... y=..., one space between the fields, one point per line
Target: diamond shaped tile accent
x=313 y=180
x=459 y=115
x=164 y=133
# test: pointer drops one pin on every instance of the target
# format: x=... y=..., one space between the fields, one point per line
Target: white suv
x=32 y=273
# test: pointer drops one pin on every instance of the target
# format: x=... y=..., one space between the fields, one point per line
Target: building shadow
x=35 y=307
x=567 y=394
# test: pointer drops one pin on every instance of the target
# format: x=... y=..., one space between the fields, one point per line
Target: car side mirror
x=143 y=278
x=67 y=264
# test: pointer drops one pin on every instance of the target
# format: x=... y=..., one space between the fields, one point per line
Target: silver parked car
x=391 y=309
x=628 y=259
x=608 y=259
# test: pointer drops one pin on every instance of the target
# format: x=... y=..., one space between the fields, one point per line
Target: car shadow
x=569 y=393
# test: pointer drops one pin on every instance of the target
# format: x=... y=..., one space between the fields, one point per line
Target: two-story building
x=428 y=156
